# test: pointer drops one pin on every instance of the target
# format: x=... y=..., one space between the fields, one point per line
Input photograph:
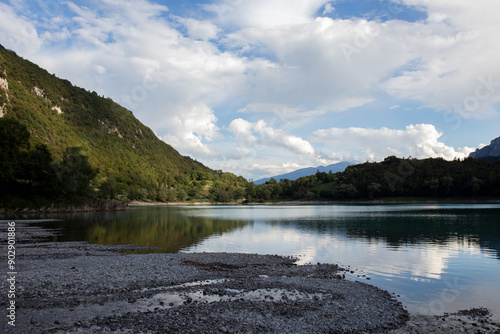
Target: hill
x=334 y=168
x=130 y=160
x=394 y=177
x=491 y=150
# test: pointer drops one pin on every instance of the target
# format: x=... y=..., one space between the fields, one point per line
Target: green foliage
x=29 y=174
x=395 y=177
x=75 y=174
x=14 y=139
x=131 y=159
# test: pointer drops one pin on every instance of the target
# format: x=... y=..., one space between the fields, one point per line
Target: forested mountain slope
x=129 y=158
x=61 y=115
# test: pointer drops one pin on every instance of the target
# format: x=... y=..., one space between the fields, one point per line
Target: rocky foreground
x=82 y=288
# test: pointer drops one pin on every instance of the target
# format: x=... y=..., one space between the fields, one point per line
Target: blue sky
x=264 y=87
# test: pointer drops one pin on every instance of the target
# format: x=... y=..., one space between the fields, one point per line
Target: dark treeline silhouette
x=30 y=174
x=393 y=177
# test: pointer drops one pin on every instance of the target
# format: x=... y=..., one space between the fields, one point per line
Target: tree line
x=29 y=172
x=395 y=177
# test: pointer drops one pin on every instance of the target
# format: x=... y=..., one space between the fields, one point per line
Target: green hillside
x=131 y=160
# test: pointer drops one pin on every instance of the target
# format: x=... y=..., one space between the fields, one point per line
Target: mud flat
x=76 y=287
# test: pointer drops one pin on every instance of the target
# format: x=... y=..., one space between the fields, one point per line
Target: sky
x=265 y=87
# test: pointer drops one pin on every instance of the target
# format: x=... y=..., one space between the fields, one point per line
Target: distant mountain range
x=491 y=150
x=338 y=167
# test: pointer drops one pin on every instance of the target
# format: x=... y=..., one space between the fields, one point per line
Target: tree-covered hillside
x=396 y=177
x=131 y=160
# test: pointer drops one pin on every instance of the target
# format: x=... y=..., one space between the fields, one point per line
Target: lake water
x=437 y=258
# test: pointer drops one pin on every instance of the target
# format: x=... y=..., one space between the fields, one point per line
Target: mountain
x=491 y=150
x=338 y=167
x=60 y=115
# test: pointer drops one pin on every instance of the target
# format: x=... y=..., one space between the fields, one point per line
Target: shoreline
x=389 y=200
x=115 y=205
x=85 y=288
x=91 y=205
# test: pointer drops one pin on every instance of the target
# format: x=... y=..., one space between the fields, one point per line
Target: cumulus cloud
x=439 y=62
x=264 y=13
x=246 y=131
x=454 y=49
x=200 y=29
x=328 y=9
x=312 y=74
x=190 y=129
x=419 y=141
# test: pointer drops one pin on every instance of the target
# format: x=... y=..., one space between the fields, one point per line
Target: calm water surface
x=437 y=258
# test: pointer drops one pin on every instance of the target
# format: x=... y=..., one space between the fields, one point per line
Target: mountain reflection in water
x=161 y=229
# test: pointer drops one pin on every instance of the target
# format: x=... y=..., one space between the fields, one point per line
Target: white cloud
x=312 y=74
x=328 y=9
x=439 y=63
x=274 y=108
x=17 y=33
x=419 y=141
x=245 y=131
x=200 y=29
x=242 y=130
x=455 y=49
x=265 y=13
x=255 y=171
x=188 y=129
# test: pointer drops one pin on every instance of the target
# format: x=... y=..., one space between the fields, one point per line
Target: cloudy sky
x=264 y=87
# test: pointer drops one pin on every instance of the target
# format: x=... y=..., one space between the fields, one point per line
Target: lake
x=436 y=258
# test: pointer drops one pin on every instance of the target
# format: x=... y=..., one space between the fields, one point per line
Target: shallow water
x=436 y=258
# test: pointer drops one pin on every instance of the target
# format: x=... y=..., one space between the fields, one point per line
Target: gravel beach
x=76 y=287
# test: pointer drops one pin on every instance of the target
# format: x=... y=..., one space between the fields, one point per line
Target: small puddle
x=188 y=285
x=167 y=300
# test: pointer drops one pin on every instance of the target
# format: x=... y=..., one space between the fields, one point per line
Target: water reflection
x=438 y=259
x=159 y=229
x=421 y=252
x=395 y=226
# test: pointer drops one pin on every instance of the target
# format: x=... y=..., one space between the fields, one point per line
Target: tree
x=181 y=195
x=14 y=139
x=223 y=196
x=238 y=194
x=475 y=185
x=74 y=173
x=447 y=183
x=250 y=191
x=373 y=188
x=109 y=188
x=166 y=195
x=37 y=170
x=433 y=185
x=347 y=190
